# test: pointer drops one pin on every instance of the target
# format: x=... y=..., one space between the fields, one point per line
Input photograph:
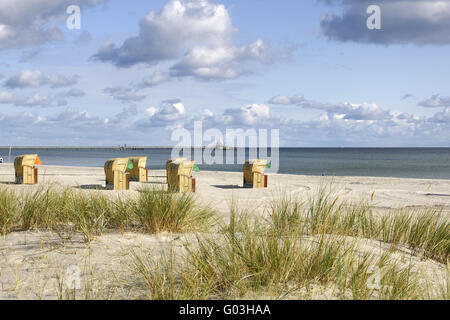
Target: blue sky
x=137 y=70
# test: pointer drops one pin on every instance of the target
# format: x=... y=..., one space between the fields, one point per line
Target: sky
x=137 y=70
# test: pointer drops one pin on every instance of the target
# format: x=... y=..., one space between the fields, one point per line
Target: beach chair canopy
x=137 y=163
x=174 y=160
x=181 y=167
x=119 y=164
x=255 y=165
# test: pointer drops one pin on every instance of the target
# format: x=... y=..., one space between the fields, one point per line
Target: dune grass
x=250 y=258
x=67 y=211
x=301 y=246
x=426 y=231
x=158 y=210
x=8 y=210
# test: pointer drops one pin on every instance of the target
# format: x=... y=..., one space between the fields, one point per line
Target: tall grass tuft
x=67 y=211
x=160 y=210
x=8 y=210
x=427 y=232
x=250 y=258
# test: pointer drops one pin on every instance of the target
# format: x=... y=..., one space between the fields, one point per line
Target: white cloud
x=284 y=100
x=221 y=62
x=35 y=100
x=249 y=115
x=350 y=128
x=153 y=80
x=442 y=117
x=171 y=113
x=124 y=94
x=31 y=23
x=197 y=33
x=436 y=101
x=151 y=111
x=206 y=113
x=35 y=78
x=417 y=22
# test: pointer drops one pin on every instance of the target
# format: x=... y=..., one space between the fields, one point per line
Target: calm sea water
x=378 y=162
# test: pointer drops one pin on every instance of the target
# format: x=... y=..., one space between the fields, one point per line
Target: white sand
x=219 y=188
x=32 y=262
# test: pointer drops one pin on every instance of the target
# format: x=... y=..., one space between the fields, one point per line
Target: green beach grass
x=66 y=211
x=300 y=245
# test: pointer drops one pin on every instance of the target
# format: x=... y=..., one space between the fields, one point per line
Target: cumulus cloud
x=252 y=114
x=35 y=100
x=171 y=113
x=29 y=23
x=442 y=117
x=124 y=94
x=436 y=101
x=74 y=127
x=284 y=100
x=197 y=33
x=416 y=22
x=35 y=78
x=153 y=80
x=330 y=128
x=363 y=111
x=221 y=62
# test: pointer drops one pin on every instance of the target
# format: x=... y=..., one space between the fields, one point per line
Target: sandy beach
x=219 y=188
x=33 y=263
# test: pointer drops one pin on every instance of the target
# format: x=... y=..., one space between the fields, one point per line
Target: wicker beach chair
x=26 y=170
x=179 y=176
x=116 y=174
x=139 y=172
x=254 y=174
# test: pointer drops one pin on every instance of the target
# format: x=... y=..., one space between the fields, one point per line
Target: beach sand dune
x=34 y=264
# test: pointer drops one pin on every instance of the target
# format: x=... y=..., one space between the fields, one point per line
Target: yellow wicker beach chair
x=254 y=174
x=173 y=160
x=139 y=171
x=116 y=173
x=168 y=163
x=179 y=176
x=26 y=170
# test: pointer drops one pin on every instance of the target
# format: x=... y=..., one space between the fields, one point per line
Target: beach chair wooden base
x=30 y=176
x=259 y=181
x=143 y=175
x=184 y=184
x=121 y=180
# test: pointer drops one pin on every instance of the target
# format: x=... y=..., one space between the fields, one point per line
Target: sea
x=427 y=163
